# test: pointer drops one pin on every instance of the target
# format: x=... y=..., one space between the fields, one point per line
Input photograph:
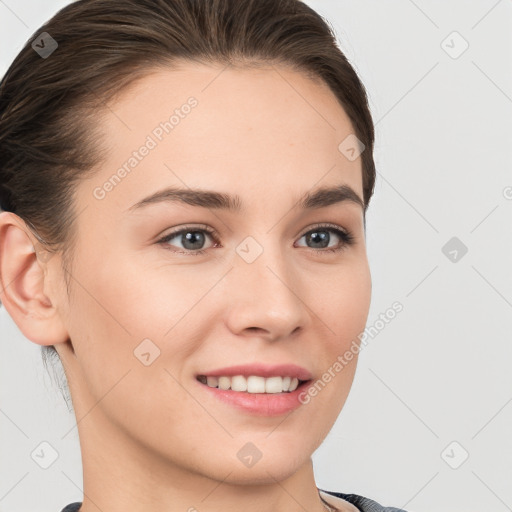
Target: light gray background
x=440 y=371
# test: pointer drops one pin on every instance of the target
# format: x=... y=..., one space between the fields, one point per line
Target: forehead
x=253 y=131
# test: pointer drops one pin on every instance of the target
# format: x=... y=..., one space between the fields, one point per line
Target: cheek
x=119 y=303
x=343 y=311
x=137 y=298
x=117 y=309
x=344 y=301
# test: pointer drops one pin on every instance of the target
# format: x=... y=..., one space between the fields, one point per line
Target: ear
x=22 y=283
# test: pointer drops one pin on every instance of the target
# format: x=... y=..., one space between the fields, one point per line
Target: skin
x=151 y=438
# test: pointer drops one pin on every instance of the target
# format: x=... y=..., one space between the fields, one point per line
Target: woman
x=184 y=186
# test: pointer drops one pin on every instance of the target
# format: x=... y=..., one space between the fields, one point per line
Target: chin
x=266 y=470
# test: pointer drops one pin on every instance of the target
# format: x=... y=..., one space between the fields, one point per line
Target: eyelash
x=346 y=237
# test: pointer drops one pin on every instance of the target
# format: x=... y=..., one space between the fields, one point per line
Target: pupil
x=192 y=236
x=322 y=235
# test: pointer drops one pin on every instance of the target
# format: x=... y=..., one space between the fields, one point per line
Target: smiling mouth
x=253 y=383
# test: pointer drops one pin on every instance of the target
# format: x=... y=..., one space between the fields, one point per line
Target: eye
x=320 y=238
x=191 y=238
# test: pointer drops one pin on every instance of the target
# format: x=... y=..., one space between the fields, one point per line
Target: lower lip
x=262 y=404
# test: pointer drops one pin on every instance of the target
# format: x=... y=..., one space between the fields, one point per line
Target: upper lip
x=263 y=370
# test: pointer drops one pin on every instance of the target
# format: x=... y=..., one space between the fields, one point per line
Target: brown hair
x=49 y=107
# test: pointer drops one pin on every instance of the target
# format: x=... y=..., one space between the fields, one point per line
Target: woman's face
x=146 y=316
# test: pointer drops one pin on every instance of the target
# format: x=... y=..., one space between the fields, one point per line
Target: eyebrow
x=319 y=198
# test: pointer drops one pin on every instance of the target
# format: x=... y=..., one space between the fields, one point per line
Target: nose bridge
x=264 y=293
x=262 y=262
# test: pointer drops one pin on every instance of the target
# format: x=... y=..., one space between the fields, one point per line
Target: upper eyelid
x=214 y=232
x=325 y=225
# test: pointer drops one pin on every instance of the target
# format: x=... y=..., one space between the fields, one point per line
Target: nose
x=266 y=297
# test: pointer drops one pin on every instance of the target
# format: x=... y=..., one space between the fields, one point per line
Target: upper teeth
x=253 y=383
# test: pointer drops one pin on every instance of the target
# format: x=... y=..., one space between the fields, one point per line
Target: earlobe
x=22 y=279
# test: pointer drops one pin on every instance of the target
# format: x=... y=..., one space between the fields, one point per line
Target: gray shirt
x=360 y=502
x=363 y=504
